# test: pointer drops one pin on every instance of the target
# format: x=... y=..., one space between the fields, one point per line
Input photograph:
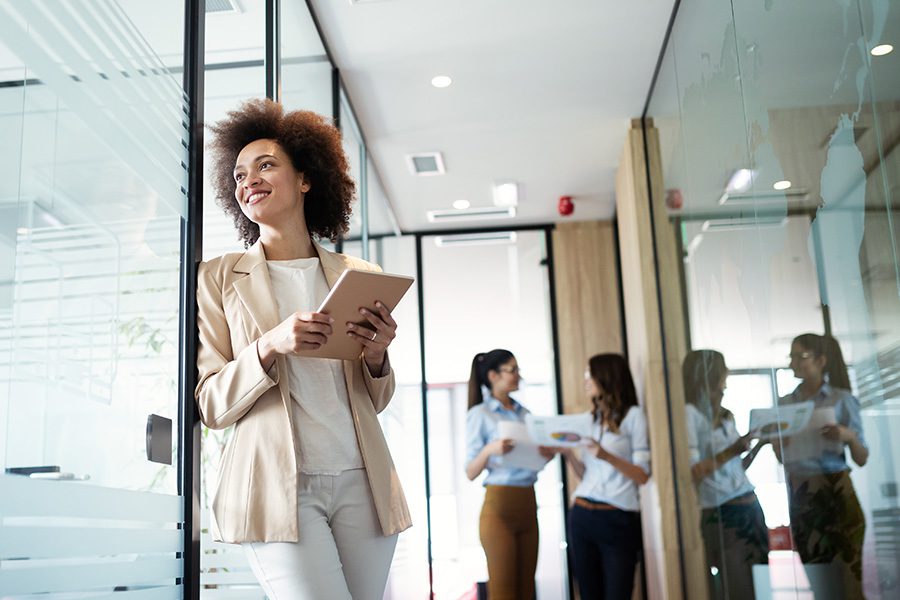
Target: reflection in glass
x=827 y=521
x=732 y=521
x=745 y=101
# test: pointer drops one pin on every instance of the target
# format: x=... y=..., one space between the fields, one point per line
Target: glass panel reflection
x=778 y=128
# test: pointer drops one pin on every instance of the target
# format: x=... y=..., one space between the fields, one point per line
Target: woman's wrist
x=266 y=352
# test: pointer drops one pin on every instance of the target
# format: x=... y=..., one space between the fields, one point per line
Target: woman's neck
x=504 y=399
x=287 y=243
x=810 y=386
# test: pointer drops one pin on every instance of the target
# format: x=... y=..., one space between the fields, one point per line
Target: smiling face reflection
x=805 y=364
x=268 y=188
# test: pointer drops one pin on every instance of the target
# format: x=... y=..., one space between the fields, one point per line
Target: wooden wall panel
x=587 y=302
x=669 y=534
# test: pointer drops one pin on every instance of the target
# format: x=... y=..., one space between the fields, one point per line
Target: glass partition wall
x=778 y=125
x=93 y=197
x=98 y=246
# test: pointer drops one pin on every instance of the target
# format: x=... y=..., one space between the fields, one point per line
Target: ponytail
x=482 y=364
x=835 y=367
x=475 y=394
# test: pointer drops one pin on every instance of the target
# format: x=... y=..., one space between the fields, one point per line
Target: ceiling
x=542 y=95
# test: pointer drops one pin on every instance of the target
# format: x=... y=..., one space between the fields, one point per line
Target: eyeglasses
x=800 y=355
x=513 y=370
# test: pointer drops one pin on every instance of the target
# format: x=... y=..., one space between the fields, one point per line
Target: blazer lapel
x=333 y=264
x=255 y=289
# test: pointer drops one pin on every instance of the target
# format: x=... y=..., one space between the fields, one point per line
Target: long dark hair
x=701 y=372
x=827 y=346
x=483 y=363
x=611 y=373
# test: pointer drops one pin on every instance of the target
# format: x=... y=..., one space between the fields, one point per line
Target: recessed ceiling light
x=781 y=185
x=506 y=193
x=23 y=231
x=882 y=50
x=441 y=81
x=740 y=181
x=461 y=204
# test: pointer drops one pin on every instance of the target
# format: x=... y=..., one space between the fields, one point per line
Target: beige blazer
x=256 y=496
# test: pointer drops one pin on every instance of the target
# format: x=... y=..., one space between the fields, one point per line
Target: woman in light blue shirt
x=827 y=521
x=734 y=529
x=605 y=522
x=508 y=524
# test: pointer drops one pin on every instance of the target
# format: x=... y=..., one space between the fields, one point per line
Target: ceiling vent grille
x=493 y=212
x=425 y=163
x=222 y=7
x=739 y=224
x=759 y=198
x=476 y=239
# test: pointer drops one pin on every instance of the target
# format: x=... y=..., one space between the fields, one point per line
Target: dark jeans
x=605 y=546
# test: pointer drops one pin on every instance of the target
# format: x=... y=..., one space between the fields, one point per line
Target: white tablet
x=356 y=289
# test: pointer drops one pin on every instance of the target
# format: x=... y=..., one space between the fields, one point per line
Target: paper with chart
x=525 y=454
x=567 y=431
x=788 y=419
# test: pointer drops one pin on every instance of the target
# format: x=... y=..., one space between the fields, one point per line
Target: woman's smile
x=256 y=197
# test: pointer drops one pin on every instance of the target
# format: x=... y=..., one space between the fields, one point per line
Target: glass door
x=93 y=182
x=504 y=302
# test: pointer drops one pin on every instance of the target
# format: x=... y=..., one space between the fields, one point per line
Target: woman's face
x=506 y=378
x=805 y=364
x=591 y=387
x=718 y=392
x=268 y=188
x=594 y=390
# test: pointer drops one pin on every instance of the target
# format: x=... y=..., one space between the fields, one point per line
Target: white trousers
x=342 y=553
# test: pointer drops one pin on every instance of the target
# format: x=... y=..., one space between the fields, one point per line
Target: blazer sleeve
x=228 y=385
x=381 y=387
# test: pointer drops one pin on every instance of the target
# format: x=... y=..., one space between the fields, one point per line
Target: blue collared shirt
x=846 y=412
x=481 y=429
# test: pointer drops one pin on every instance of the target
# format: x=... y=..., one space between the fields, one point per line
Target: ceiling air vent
x=759 y=198
x=425 y=163
x=222 y=7
x=739 y=224
x=492 y=212
x=476 y=239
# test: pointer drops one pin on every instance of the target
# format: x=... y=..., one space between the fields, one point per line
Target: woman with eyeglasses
x=734 y=529
x=605 y=521
x=508 y=524
x=827 y=520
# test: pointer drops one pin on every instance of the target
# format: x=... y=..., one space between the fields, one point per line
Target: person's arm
x=573 y=459
x=751 y=456
x=478 y=451
x=478 y=464
x=850 y=434
x=705 y=468
x=627 y=468
x=228 y=385
x=635 y=427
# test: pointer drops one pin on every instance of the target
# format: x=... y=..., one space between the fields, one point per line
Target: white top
x=727 y=482
x=603 y=482
x=323 y=424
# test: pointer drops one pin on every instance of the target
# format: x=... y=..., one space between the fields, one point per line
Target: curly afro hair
x=314 y=146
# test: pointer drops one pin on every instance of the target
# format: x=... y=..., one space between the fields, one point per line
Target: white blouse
x=603 y=482
x=323 y=424
x=727 y=482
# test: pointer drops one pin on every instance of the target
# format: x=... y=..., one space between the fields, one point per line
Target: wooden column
x=669 y=509
x=587 y=302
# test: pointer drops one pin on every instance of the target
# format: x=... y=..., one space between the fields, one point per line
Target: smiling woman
x=307 y=483
x=304 y=139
